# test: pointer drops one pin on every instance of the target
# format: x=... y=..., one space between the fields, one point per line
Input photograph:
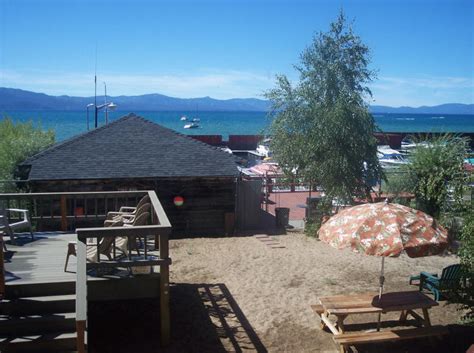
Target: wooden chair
x=106 y=244
x=9 y=228
x=127 y=218
x=127 y=210
x=437 y=285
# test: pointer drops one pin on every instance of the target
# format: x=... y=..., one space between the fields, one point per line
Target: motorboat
x=191 y=126
x=263 y=149
x=226 y=149
x=184 y=118
x=390 y=158
x=196 y=120
x=408 y=146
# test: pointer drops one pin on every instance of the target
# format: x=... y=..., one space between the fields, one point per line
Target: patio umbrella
x=385 y=229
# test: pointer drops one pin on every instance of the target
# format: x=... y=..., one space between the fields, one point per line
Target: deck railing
x=68 y=210
x=63 y=208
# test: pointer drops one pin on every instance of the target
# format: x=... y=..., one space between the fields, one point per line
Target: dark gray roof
x=130 y=147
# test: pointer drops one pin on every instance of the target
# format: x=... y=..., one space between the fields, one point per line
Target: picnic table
x=342 y=306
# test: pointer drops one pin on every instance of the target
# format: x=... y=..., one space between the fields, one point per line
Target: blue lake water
x=69 y=123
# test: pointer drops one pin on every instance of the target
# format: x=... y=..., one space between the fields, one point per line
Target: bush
x=397 y=183
x=436 y=167
x=464 y=293
x=323 y=210
x=18 y=141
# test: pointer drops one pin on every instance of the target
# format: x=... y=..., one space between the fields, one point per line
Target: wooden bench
x=349 y=339
x=319 y=310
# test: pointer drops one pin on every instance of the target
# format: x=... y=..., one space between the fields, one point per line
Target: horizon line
x=219 y=99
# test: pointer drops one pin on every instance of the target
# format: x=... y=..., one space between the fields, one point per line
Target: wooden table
x=342 y=306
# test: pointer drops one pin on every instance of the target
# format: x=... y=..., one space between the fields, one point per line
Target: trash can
x=312 y=211
x=282 y=215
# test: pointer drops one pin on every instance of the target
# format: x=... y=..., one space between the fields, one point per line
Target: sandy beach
x=241 y=294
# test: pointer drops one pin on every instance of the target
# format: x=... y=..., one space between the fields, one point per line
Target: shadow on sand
x=204 y=318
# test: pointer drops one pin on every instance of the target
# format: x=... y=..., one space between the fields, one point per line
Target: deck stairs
x=38 y=317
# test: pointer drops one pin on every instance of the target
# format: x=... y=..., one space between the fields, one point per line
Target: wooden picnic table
x=342 y=306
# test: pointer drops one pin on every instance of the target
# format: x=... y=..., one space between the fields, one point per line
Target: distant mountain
x=450 y=108
x=17 y=99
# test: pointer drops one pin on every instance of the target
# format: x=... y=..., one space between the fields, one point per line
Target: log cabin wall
x=203 y=213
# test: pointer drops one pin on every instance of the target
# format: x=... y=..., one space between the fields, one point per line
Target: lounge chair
x=127 y=210
x=9 y=228
x=127 y=218
x=106 y=244
x=438 y=285
x=141 y=218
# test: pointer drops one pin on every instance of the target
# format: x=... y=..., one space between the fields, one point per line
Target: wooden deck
x=33 y=270
x=42 y=261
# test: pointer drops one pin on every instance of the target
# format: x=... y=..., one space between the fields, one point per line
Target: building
x=133 y=153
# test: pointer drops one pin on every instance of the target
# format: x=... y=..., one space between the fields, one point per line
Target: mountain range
x=12 y=99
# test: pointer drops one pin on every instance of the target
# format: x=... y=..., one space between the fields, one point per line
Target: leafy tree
x=322 y=128
x=463 y=294
x=18 y=141
x=436 y=168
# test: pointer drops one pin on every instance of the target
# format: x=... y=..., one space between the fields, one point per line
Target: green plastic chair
x=437 y=285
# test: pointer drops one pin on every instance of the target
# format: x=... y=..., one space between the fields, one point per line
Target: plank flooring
x=42 y=260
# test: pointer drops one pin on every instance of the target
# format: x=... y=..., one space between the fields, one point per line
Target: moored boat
x=390 y=158
x=191 y=126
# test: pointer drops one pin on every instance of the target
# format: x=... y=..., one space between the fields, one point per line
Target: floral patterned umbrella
x=385 y=229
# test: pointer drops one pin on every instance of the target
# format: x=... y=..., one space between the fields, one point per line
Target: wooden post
x=229 y=223
x=81 y=336
x=81 y=295
x=426 y=317
x=266 y=194
x=63 y=213
x=164 y=291
x=2 y=268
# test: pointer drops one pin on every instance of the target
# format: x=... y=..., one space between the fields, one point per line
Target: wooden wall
x=206 y=200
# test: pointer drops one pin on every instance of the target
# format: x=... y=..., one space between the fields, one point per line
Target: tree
x=322 y=128
x=436 y=169
x=18 y=141
x=463 y=293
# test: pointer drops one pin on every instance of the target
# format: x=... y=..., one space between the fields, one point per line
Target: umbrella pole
x=381 y=281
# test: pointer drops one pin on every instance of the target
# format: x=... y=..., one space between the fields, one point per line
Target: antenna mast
x=95 y=89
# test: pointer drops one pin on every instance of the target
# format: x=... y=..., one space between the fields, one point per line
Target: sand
x=241 y=294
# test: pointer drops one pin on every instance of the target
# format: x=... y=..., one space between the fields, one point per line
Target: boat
x=408 y=146
x=184 y=118
x=390 y=158
x=196 y=120
x=263 y=149
x=191 y=126
x=226 y=149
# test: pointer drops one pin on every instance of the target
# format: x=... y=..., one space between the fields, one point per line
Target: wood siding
x=206 y=200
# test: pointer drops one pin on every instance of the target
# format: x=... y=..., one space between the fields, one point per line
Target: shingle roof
x=131 y=147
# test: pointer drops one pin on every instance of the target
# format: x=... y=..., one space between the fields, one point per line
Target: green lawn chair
x=438 y=285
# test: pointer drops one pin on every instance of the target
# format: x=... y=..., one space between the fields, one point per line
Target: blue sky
x=423 y=51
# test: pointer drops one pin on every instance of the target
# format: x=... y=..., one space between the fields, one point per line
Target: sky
x=422 y=50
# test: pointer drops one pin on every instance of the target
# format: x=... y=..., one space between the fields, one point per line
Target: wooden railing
x=60 y=209
x=160 y=228
x=67 y=210
x=2 y=268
